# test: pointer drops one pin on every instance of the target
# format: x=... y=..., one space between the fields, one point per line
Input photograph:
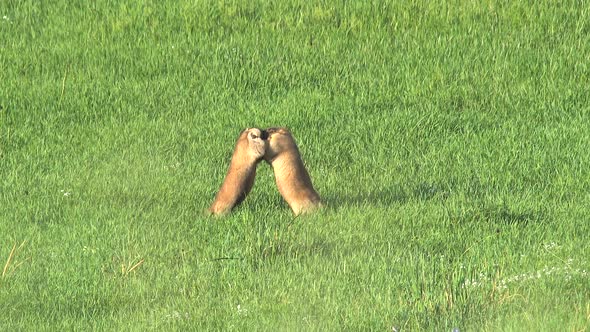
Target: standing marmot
x=249 y=150
x=291 y=176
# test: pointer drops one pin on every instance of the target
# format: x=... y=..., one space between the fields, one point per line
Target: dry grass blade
x=135 y=266
x=8 y=260
x=63 y=84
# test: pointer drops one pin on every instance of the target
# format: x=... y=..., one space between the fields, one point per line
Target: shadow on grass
x=387 y=196
x=295 y=249
x=290 y=250
x=504 y=215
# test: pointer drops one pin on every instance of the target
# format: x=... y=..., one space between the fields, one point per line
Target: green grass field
x=449 y=140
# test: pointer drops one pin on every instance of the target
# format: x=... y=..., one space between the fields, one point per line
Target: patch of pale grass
x=565 y=273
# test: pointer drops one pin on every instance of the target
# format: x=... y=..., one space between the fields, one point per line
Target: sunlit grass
x=449 y=142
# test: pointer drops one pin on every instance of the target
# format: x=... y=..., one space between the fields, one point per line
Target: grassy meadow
x=450 y=141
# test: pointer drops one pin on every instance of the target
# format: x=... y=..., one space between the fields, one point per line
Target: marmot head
x=256 y=142
x=278 y=141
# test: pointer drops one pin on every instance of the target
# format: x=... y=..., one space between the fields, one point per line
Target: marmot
x=249 y=150
x=291 y=176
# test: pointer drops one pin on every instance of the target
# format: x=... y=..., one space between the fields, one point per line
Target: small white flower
x=177 y=315
x=551 y=246
x=88 y=250
x=242 y=311
x=5 y=18
x=172 y=166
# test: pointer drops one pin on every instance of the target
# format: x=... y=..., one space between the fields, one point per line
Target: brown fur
x=239 y=180
x=291 y=176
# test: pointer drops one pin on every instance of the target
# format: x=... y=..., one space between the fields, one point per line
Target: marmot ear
x=284 y=130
